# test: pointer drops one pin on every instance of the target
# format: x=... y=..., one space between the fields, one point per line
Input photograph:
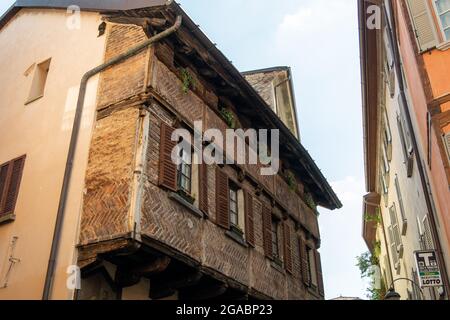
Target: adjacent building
x=405 y=100
x=125 y=222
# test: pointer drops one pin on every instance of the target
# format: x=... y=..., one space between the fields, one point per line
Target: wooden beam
x=204 y=292
x=158 y=265
x=166 y=286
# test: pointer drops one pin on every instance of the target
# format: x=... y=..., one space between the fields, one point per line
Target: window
x=424 y=28
x=387 y=136
x=234 y=208
x=10 y=177
x=443 y=13
x=427 y=238
x=275 y=238
x=311 y=266
x=405 y=138
x=384 y=187
x=400 y=204
x=446 y=138
x=184 y=172
x=396 y=231
x=392 y=246
x=389 y=66
x=39 y=80
x=386 y=166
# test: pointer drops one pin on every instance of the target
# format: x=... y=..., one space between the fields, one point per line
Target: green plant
x=228 y=116
x=188 y=81
x=309 y=200
x=290 y=179
x=366 y=263
x=373 y=217
x=376 y=252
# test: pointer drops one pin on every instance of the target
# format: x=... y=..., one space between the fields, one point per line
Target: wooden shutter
x=167 y=169
x=319 y=273
x=249 y=226
x=427 y=237
x=222 y=199
x=423 y=24
x=447 y=144
x=203 y=184
x=304 y=267
x=4 y=169
x=287 y=247
x=267 y=230
x=10 y=177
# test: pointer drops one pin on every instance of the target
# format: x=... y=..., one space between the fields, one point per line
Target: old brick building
x=135 y=218
x=151 y=229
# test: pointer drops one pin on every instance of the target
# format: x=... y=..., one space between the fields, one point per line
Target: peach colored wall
x=437 y=63
x=41 y=130
x=440 y=64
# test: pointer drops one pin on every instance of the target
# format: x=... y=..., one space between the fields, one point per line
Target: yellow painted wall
x=41 y=130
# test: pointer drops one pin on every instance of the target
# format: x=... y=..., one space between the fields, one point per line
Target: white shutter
x=387 y=45
x=423 y=24
x=447 y=144
x=393 y=247
x=395 y=227
x=428 y=240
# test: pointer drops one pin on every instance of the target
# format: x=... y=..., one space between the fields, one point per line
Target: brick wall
x=108 y=178
x=126 y=79
x=110 y=175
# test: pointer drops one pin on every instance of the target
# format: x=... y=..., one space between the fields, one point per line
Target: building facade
x=136 y=225
x=406 y=209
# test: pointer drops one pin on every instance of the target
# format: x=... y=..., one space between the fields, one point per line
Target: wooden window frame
x=439 y=21
x=275 y=238
x=233 y=189
x=12 y=179
x=181 y=174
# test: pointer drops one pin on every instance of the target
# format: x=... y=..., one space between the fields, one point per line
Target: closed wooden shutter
x=10 y=177
x=447 y=144
x=249 y=225
x=319 y=273
x=167 y=168
x=423 y=24
x=3 y=177
x=287 y=247
x=267 y=230
x=304 y=267
x=222 y=199
x=203 y=178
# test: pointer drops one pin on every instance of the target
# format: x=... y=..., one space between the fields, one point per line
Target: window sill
x=33 y=99
x=233 y=235
x=176 y=197
x=7 y=218
x=277 y=264
x=444 y=45
x=312 y=289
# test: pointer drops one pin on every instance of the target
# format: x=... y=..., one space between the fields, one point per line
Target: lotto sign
x=428 y=268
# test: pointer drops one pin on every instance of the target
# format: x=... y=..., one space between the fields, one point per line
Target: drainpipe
x=73 y=143
x=423 y=179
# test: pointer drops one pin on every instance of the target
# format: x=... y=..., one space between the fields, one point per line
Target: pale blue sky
x=319 y=40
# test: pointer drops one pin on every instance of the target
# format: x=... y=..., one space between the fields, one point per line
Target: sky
x=318 y=39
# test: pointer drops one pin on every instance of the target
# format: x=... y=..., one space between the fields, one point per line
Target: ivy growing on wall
x=188 y=81
x=228 y=116
x=291 y=181
x=309 y=200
